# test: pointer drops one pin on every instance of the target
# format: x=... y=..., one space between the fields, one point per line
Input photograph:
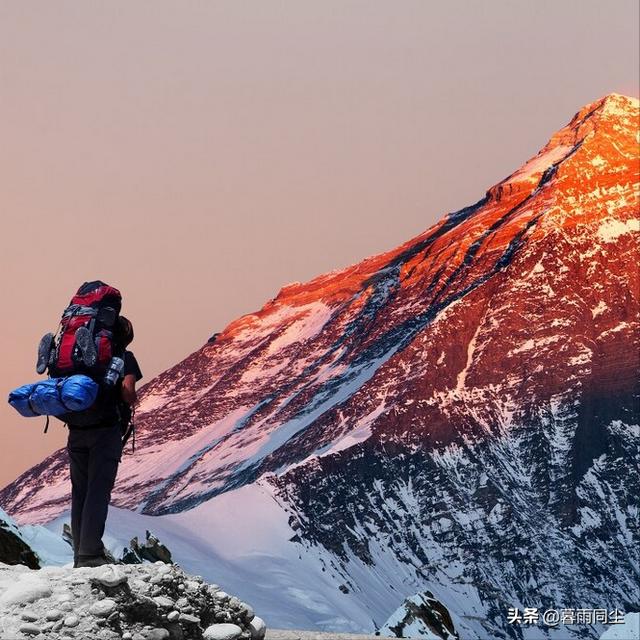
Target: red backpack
x=85 y=342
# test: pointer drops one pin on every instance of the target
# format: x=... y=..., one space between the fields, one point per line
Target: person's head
x=125 y=331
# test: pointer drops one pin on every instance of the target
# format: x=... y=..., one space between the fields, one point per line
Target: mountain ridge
x=366 y=280
x=458 y=414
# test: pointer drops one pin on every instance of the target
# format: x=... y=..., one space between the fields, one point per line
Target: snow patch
x=360 y=434
x=29 y=588
x=536 y=166
x=601 y=307
x=610 y=229
x=306 y=326
x=629 y=629
x=462 y=376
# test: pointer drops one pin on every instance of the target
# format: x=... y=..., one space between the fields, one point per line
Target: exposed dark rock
x=13 y=549
x=422 y=610
x=151 y=549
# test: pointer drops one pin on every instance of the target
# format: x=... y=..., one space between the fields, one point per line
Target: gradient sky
x=200 y=155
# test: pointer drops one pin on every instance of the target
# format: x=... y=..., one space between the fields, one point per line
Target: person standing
x=95 y=450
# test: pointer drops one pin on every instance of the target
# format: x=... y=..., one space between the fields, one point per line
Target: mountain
x=458 y=415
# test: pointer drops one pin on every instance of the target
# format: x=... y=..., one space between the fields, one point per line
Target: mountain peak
x=615 y=104
x=608 y=126
x=614 y=107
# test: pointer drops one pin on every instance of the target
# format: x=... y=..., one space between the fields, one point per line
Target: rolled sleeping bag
x=54 y=396
x=45 y=398
x=78 y=392
x=19 y=400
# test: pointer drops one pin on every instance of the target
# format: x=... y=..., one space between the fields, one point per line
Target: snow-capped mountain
x=458 y=415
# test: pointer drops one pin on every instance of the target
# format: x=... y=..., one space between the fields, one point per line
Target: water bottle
x=116 y=367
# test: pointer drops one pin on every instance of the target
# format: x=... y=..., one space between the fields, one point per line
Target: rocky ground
x=125 y=602
x=290 y=634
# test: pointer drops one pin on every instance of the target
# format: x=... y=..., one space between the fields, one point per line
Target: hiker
x=92 y=389
x=94 y=454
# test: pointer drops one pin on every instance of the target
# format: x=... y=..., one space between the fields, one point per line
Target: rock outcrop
x=13 y=548
x=151 y=550
x=421 y=616
x=129 y=602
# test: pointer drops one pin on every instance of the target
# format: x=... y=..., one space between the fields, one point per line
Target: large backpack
x=85 y=343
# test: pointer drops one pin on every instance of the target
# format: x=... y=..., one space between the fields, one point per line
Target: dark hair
x=125 y=331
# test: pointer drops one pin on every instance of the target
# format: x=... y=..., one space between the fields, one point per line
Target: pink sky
x=199 y=155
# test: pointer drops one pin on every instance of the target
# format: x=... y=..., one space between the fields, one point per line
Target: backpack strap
x=79 y=310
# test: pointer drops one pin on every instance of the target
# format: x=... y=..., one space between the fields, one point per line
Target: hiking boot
x=84 y=340
x=44 y=352
x=90 y=561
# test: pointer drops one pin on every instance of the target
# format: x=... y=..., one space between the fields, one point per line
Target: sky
x=201 y=155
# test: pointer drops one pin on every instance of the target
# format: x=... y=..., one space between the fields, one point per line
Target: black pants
x=94 y=455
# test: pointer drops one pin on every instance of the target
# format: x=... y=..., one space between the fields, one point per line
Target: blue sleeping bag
x=54 y=396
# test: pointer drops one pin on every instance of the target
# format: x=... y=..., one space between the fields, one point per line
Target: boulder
x=223 y=631
x=258 y=628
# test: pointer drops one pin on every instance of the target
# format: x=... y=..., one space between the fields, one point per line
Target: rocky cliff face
x=14 y=549
x=459 y=414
